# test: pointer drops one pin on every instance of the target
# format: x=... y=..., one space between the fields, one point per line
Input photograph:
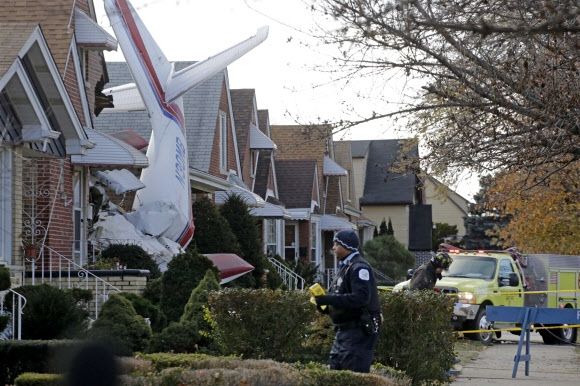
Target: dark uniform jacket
x=424 y=278
x=353 y=289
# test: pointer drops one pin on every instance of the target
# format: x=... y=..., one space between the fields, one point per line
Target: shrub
x=133 y=256
x=184 y=272
x=153 y=291
x=389 y=256
x=119 y=324
x=212 y=231
x=282 y=319
x=4 y=278
x=147 y=310
x=243 y=225
x=50 y=313
x=182 y=337
x=416 y=335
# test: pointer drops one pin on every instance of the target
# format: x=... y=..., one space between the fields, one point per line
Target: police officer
x=353 y=305
x=426 y=275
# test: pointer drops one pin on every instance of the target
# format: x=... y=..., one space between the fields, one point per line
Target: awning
x=89 y=34
x=120 y=181
x=270 y=211
x=329 y=222
x=259 y=140
x=231 y=266
x=110 y=152
x=252 y=199
x=299 y=213
x=331 y=168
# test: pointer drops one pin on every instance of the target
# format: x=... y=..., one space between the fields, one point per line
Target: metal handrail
x=290 y=278
x=62 y=264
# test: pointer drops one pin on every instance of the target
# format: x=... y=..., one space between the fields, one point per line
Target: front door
x=291 y=241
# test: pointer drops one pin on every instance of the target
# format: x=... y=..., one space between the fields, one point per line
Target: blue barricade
x=528 y=316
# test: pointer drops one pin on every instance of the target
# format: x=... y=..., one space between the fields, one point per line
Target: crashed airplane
x=163 y=207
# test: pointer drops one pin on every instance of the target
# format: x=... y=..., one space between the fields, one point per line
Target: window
x=270 y=237
x=313 y=242
x=223 y=122
x=347 y=187
x=253 y=162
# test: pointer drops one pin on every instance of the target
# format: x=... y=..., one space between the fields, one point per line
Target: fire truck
x=507 y=278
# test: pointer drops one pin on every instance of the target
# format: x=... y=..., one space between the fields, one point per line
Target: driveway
x=549 y=364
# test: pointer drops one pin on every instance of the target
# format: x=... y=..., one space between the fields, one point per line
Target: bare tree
x=500 y=78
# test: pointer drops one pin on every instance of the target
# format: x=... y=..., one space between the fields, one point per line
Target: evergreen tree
x=184 y=273
x=383 y=228
x=390 y=230
x=375 y=233
x=444 y=233
x=484 y=222
x=133 y=256
x=389 y=256
x=120 y=324
x=237 y=213
x=212 y=231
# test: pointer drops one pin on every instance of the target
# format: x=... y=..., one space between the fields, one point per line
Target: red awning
x=231 y=266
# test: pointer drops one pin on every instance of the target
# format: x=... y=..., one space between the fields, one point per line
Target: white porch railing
x=14 y=327
x=290 y=278
x=53 y=268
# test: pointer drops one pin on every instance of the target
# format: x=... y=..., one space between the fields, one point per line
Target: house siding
x=399 y=218
x=450 y=210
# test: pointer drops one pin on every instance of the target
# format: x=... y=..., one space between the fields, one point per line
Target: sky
x=281 y=69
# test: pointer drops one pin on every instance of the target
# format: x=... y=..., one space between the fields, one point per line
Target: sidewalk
x=548 y=364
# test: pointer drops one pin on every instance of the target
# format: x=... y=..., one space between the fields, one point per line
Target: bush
x=389 y=256
x=182 y=337
x=147 y=310
x=133 y=256
x=51 y=313
x=212 y=231
x=184 y=272
x=4 y=278
x=243 y=225
x=119 y=324
x=282 y=319
x=153 y=291
x=416 y=336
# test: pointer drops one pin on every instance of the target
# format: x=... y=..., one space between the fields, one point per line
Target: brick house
x=52 y=72
x=309 y=181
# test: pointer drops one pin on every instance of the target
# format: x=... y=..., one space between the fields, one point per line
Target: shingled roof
x=200 y=106
x=296 y=182
x=243 y=108
x=383 y=186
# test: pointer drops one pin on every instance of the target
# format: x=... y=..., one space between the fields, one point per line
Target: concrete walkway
x=548 y=364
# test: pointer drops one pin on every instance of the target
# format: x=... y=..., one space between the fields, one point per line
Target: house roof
x=270 y=211
x=262 y=173
x=200 y=105
x=359 y=149
x=296 y=182
x=382 y=185
x=243 y=103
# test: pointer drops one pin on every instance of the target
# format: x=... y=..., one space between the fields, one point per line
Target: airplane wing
x=125 y=98
x=190 y=77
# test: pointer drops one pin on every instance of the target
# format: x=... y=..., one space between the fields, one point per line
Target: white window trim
x=6 y=205
x=223 y=129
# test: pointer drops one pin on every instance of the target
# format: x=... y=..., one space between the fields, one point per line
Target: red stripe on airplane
x=127 y=16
